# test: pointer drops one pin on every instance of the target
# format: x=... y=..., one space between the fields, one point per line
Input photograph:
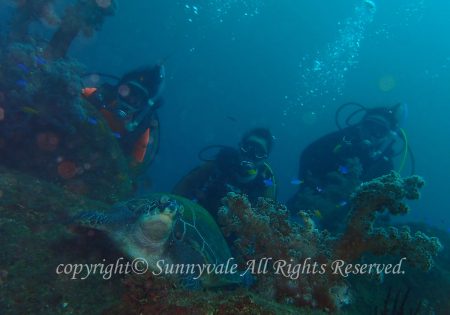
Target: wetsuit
x=210 y=182
x=331 y=152
x=106 y=100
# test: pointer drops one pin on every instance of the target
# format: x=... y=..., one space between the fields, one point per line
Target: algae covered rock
x=47 y=130
x=35 y=240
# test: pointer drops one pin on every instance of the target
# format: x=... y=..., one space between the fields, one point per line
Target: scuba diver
x=332 y=166
x=371 y=140
x=129 y=107
x=242 y=170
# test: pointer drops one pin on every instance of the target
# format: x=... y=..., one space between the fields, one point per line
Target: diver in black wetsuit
x=129 y=107
x=371 y=140
x=242 y=170
x=370 y=143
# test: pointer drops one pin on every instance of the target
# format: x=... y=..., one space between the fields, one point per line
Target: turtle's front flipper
x=104 y=220
x=92 y=219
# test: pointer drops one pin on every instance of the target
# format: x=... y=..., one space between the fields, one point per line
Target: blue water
x=286 y=65
x=248 y=67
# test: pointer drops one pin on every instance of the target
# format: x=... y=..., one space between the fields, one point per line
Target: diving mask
x=134 y=94
x=254 y=151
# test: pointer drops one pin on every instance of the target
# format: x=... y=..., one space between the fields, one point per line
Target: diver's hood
x=390 y=118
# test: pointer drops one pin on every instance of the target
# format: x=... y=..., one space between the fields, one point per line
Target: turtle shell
x=197 y=239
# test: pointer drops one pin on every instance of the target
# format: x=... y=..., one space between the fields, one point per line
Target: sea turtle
x=164 y=229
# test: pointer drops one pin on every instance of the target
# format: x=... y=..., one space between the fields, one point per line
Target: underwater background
x=287 y=65
x=254 y=61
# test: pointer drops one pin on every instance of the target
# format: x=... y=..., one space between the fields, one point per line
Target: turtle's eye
x=173 y=205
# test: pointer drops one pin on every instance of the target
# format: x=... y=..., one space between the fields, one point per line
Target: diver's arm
x=146 y=112
x=138 y=119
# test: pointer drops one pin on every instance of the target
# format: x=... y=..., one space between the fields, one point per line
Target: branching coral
x=258 y=229
x=264 y=231
x=84 y=16
x=385 y=194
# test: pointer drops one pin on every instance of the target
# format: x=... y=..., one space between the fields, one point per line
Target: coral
x=84 y=16
x=35 y=239
x=264 y=231
x=385 y=194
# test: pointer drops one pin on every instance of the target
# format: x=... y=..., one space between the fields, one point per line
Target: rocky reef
x=37 y=236
x=46 y=129
x=265 y=231
x=84 y=17
x=155 y=295
x=28 y=12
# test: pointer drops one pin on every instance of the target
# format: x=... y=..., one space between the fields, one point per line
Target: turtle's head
x=157 y=227
x=154 y=228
